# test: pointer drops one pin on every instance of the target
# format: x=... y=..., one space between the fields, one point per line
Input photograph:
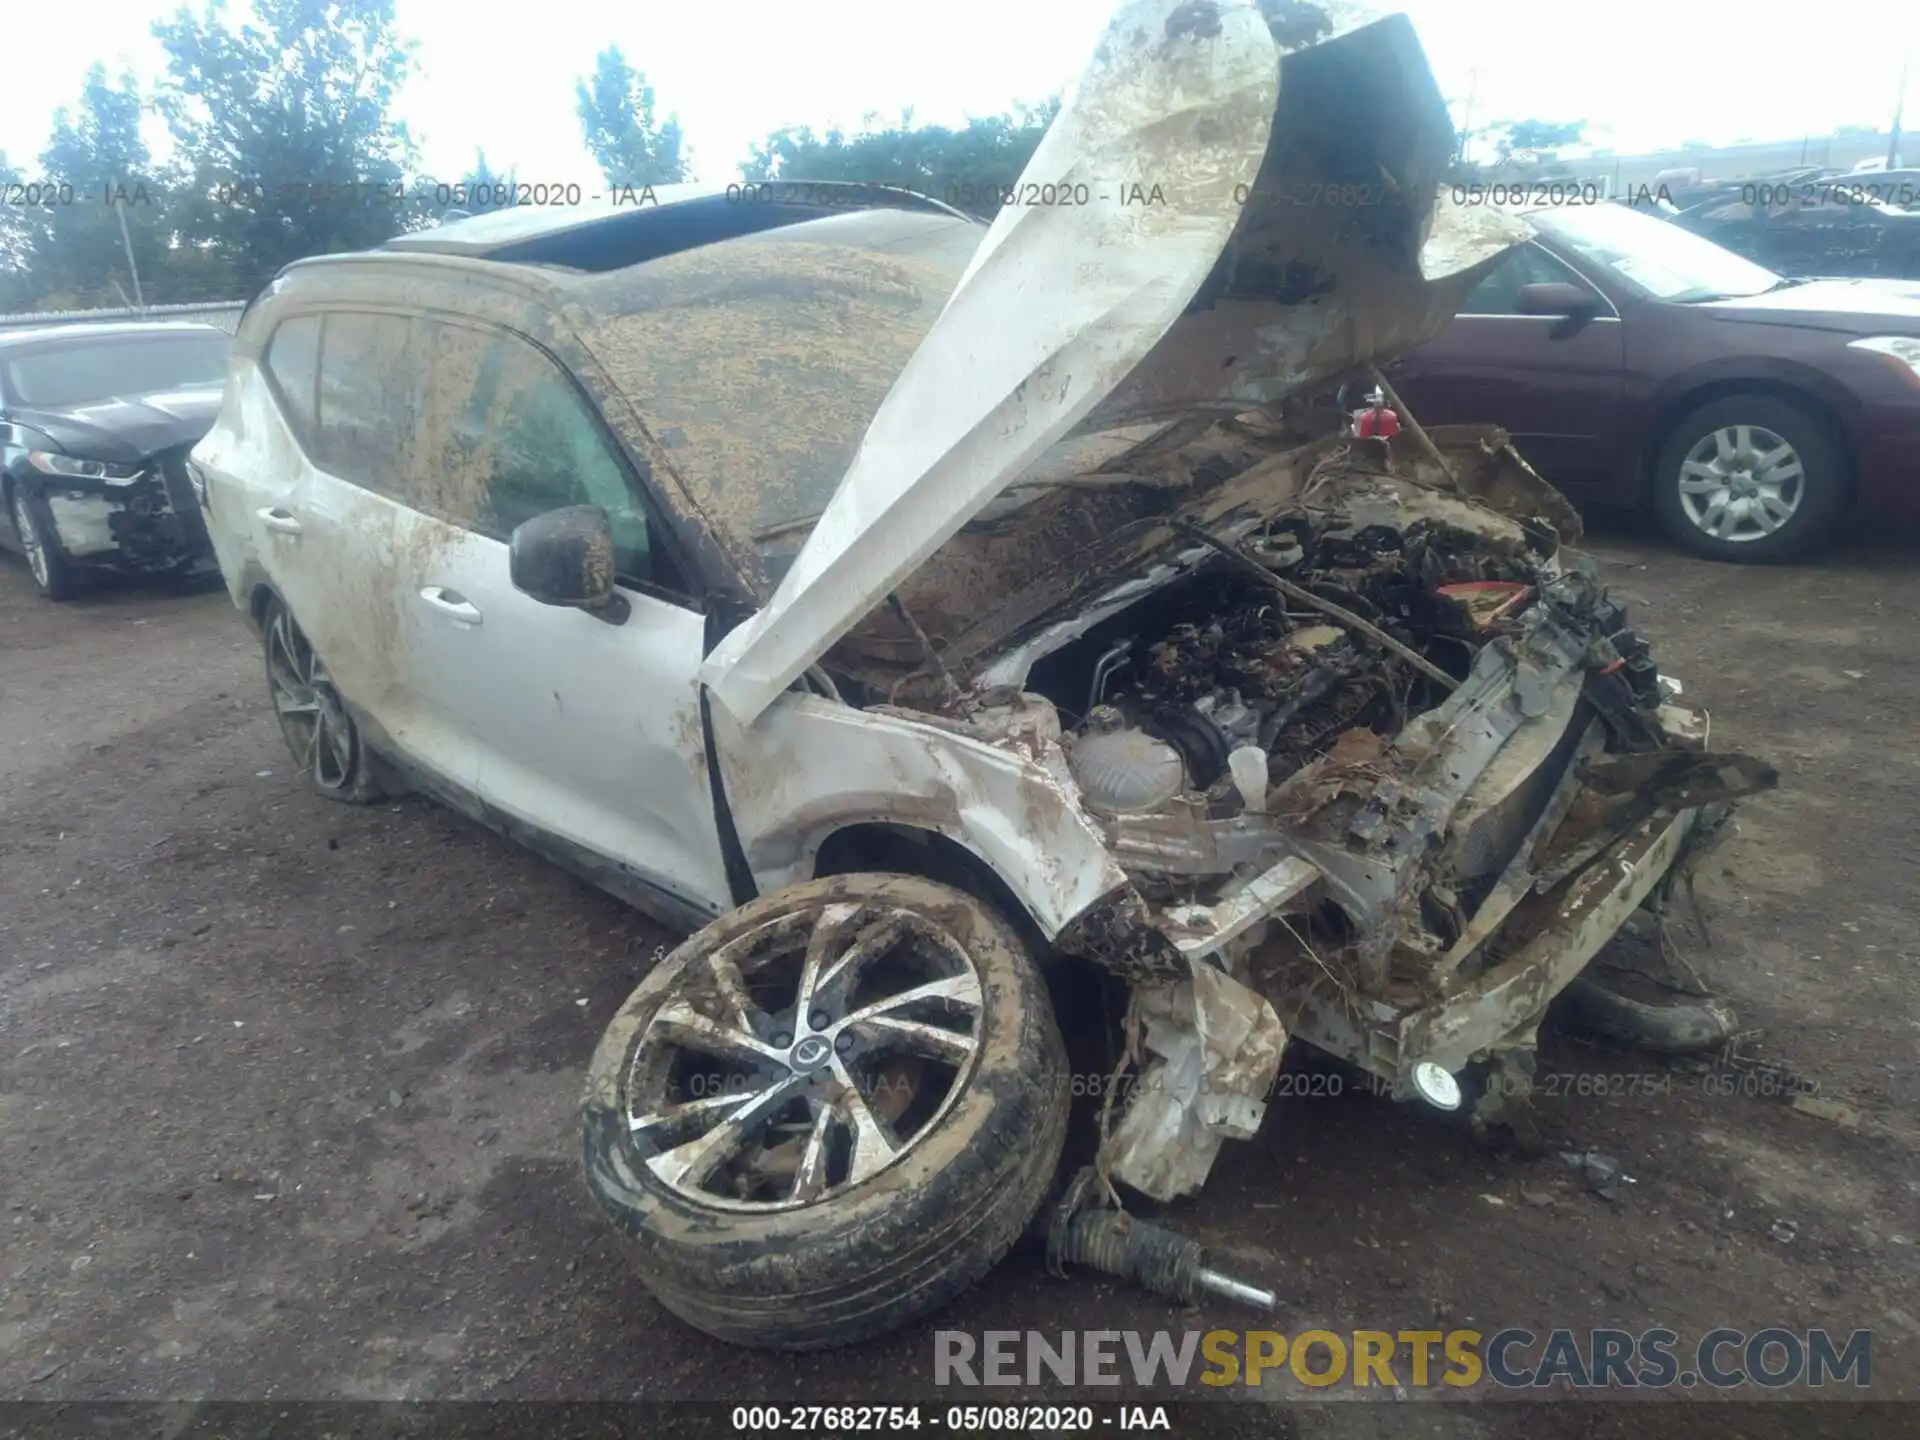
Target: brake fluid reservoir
x=1248 y=766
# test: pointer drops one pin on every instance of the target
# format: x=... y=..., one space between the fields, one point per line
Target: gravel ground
x=287 y=1088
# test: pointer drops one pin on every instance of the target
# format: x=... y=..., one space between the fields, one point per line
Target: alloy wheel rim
x=316 y=725
x=805 y=1057
x=29 y=534
x=1741 y=483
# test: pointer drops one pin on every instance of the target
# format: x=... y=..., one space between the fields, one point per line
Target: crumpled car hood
x=1202 y=230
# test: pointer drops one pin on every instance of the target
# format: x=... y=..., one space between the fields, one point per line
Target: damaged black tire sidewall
x=902 y=1244
x=63 y=577
x=363 y=785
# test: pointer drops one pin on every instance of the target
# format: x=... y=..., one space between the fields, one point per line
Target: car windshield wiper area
x=1708 y=297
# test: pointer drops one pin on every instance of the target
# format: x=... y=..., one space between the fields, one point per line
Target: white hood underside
x=1152 y=161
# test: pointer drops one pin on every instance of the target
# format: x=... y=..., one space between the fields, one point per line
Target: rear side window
x=471 y=425
x=293 y=362
x=369 y=377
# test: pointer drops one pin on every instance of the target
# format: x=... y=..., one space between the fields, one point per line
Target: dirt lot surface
x=287 y=1088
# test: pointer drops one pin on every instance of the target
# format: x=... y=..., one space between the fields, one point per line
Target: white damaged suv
x=908 y=607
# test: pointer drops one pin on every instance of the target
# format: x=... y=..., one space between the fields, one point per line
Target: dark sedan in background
x=1637 y=364
x=95 y=425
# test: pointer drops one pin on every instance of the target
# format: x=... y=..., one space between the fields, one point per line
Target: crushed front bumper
x=141 y=526
x=1399 y=998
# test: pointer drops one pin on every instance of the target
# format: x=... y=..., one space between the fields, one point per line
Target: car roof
x=634 y=224
x=102 y=330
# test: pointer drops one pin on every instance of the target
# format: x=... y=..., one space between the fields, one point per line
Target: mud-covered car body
x=988 y=554
x=95 y=425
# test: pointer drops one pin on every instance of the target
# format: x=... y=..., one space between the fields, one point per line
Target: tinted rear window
x=88 y=371
x=369 y=378
x=293 y=360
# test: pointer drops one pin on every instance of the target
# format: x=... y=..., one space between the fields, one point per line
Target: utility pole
x=1899 y=108
x=1466 y=114
x=120 y=209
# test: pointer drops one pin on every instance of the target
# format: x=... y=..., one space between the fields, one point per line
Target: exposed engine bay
x=1386 y=769
x=1223 y=663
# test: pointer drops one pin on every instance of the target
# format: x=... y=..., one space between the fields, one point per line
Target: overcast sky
x=1644 y=73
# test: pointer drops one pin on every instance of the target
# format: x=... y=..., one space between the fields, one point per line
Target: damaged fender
x=999 y=788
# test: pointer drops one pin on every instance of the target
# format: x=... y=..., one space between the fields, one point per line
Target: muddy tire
x=1624 y=1009
x=314 y=719
x=54 y=575
x=830 y=1112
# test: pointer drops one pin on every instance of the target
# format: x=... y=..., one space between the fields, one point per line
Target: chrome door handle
x=451 y=603
x=283 y=521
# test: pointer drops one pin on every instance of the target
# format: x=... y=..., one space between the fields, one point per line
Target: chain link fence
x=223 y=313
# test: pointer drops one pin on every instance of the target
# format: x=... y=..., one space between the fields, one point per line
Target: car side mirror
x=565 y=557
x=1558 y=297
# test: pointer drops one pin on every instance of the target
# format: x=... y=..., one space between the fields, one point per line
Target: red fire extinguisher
x=1378 y=418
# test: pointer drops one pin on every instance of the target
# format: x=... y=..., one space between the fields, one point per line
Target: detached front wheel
x=830 y=1112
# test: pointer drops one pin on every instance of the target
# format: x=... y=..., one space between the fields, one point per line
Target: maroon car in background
x=1637 y=364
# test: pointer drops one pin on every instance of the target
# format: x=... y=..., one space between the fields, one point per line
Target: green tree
x=486 y=189
x=286 y=127
x=479 y=190
x=618 y=120
x=963 y=166
x=16 y=285
x=76 y=249
x=1517 y=135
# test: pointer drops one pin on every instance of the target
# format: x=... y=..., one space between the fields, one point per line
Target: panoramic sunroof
x=612 y=237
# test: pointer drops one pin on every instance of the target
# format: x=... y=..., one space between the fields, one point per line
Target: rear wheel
x=314 y=720
x=52 y=572
x=829 y=1112
x=1749 y=477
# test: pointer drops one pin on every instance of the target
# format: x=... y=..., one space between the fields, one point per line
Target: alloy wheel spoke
x=336 y=745
x=1699 y=479
x=882 y=1027
x=692 y=1164
x=731 y=985
x=824 y=969
x=810 y=1175
x=705 y=1112
x=1714 y=519
x=822 y=943
x=874 y=1147
x=886 y=1032
x=296 y=700
x=875 y=941
x=685 y=1026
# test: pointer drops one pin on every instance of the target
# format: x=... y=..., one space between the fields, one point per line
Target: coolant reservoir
x=1248 y=767
x=1123 y=770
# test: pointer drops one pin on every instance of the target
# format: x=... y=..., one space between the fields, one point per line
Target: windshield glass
x=1667 y=262
x=87 y=371
x=758 y=363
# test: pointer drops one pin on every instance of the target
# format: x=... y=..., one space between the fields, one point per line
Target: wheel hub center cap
x=810 y=1054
